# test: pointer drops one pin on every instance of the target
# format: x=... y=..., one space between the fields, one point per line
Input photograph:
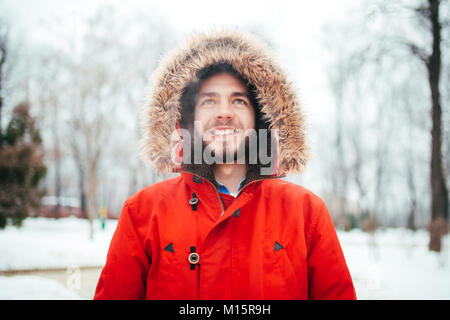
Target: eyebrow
x=215 y=94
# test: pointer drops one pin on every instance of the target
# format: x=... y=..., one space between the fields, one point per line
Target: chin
x=224 y=156
x=229 y=155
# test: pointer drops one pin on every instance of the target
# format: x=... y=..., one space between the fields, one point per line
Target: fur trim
x=279 y=104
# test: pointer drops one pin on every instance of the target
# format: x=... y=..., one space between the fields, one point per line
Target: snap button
x=193 y=201
x=194 y=258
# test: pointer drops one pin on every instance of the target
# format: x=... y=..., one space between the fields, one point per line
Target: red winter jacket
x=274 y=241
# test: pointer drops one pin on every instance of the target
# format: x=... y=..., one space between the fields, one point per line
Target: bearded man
x=227 y=227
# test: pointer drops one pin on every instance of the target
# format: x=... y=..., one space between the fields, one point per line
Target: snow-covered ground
x=34 y=288
x=396 y=264
x=47 y=243
x=393 y=264
x=62 y=244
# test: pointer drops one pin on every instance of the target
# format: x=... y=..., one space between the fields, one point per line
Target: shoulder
x=294 y=202
x=291 y=192
x=154 y=193
x=144 y=205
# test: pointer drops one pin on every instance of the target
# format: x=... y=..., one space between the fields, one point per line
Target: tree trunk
x=340 y=185
x=439 y=195
x=57 y=159
x=411 y=223
x=82 y=192
x=2 y=64
x=92 y=191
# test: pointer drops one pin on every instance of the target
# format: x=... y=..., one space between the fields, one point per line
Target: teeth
x=223 y=132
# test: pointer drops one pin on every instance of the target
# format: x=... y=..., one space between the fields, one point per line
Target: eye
x=240 y=101
x=208 y=102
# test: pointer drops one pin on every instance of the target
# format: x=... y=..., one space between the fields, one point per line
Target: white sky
x=295 y=26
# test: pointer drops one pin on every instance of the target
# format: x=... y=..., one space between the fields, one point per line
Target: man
x=227 y=227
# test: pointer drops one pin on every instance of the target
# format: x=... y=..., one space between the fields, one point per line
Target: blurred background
x=373 y=77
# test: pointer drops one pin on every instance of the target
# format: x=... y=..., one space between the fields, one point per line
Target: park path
x=80 y=280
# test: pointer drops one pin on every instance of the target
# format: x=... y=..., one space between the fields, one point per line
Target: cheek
x=248 y=119
x=200 y=119
x=202 y=122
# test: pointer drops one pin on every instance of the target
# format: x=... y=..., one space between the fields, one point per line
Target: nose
x=224 y=112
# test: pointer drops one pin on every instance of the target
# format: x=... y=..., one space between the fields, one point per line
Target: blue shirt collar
x=225 y=190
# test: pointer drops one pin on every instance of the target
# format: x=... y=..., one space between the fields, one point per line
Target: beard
x=197 y=151
x=227 y=154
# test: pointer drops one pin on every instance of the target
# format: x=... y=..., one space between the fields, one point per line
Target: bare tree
x=154 y=38
x=338 y=82
x=428 y=12
x=93 y=88
x=109 y=71
x=49 y=103
x=428 y=15
x=342 y=73
x=4 y=42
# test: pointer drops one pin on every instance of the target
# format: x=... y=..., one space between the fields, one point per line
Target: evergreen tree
x=21 y=167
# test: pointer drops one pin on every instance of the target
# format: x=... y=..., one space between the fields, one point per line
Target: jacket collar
x=205 y=189
x=201 y=172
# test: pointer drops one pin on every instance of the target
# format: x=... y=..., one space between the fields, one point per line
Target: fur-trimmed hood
x=278 y=101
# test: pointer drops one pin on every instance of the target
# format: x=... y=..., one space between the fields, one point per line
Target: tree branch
x=419 y=52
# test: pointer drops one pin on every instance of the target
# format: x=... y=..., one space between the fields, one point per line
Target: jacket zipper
x=257 y=180
x=223 y=210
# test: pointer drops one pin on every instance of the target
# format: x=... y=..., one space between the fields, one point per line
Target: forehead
x=222 y=83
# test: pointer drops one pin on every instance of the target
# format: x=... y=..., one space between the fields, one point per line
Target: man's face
x=224 y=111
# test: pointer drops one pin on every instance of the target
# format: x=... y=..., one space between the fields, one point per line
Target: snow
x=34 y=288
x=391 y=264
x=396 y=264
x=46 y=243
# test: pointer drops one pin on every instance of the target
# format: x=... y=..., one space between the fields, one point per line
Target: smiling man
x=225 y=115
x=228 y=227
x=225 y=112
